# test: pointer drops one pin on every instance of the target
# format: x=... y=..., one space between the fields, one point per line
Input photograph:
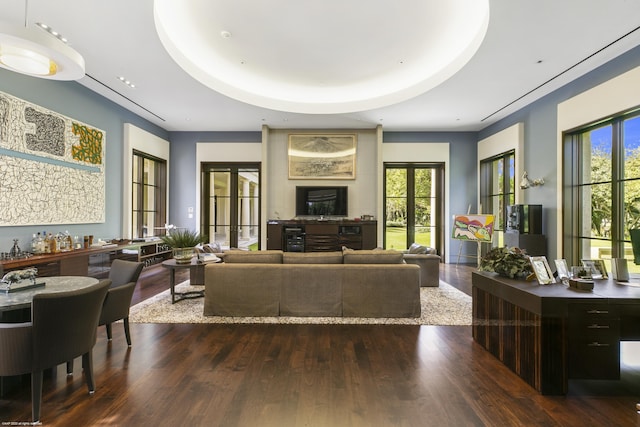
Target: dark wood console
x=94 y=262
x=548 y=334
x=321 y=235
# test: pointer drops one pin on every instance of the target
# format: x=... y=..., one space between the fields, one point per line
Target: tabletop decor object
x=507 y=262
x=20 y=280
x=182 y=243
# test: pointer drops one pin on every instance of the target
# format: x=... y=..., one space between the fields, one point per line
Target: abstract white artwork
x=52 y=168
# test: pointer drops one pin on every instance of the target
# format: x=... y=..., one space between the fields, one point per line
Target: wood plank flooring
x=310 y=375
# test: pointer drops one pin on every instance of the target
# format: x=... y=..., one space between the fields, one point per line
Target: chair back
x=117 y=303
x=123 y=271
x=15 y=348
x=65 y=324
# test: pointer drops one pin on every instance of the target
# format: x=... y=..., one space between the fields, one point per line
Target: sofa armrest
x=429 y=267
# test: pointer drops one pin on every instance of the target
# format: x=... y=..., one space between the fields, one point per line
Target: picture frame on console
x=562 y=269
x=542 y=270
x=322 y=156
x=597 y=267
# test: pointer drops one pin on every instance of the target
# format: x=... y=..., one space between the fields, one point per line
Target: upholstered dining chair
x=63 y=326
x=124 y=277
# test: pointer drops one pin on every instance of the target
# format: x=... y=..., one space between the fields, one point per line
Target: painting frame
x=542 y=270
x=322 y=156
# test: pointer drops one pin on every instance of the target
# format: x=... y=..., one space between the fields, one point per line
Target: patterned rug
x=444 y=305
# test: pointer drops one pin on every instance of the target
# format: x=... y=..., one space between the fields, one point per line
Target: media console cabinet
x=319 y=235
x=548 y=334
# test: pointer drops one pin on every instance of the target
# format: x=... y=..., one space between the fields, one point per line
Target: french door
x=230 y=204
x=414 y=208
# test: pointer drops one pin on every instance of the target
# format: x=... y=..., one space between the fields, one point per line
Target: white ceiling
x=530 y=49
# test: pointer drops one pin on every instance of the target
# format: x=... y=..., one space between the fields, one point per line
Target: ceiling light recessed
x=127 y=82
x=348 y=66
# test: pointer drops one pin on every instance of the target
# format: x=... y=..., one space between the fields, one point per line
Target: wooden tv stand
x=317 y=235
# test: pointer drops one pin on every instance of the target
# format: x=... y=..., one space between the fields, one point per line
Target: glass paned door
x=413 y=205
x=231 y=205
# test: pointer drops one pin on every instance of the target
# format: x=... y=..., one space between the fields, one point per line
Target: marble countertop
x=22 y=299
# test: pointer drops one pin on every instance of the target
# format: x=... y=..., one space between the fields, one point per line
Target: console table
x=318 y=235
x=548 y=334
x=94 y=261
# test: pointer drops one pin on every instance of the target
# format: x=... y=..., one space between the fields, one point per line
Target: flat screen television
x=321 y=201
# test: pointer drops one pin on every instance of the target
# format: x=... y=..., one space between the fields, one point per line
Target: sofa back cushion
x=253 y=257
x=374 y=256
x=312 y=258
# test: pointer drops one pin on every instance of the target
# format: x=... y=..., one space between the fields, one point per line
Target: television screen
x=321 y=201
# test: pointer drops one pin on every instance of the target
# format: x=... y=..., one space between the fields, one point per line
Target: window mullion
x=617 y=190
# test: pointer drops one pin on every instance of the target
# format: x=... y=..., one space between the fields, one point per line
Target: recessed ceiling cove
x=323 y=57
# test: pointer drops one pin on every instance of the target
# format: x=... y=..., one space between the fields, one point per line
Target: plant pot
x=183 y=255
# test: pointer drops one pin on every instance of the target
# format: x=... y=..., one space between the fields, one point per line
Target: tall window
x=497 y=190
x=602 y=189
x=149 y=194
x=413 y=199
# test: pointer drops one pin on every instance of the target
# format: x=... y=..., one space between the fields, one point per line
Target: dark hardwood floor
x=310 y=375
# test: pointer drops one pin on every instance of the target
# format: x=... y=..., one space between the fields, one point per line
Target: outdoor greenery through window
x=413 y=205
x=602 y=201
x=497 y=190
x=149 y=195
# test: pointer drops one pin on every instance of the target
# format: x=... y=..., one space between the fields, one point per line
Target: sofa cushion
x=253 y=257
x=312 y=258
x=374 y=256
x=382 y=291
x=239 y=290
x=311 y=290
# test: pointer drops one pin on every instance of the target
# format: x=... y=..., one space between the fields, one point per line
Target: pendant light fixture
x=38 y=53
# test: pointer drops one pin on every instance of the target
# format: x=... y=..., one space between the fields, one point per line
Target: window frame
x=160 y=194
x=573 y=161
x=439 y=185
x=505 y=197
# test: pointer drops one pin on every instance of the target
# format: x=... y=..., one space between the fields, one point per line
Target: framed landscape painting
x=317 y=156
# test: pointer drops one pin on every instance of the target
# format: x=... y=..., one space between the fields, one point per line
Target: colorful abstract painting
x=51 y=167
x=477 y=228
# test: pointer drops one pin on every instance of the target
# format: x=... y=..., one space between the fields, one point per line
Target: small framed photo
x=597 y=267
x=562 y=269
x=542 y=270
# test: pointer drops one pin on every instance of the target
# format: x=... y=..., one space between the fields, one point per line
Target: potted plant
x=182 y=243
x=507 y=262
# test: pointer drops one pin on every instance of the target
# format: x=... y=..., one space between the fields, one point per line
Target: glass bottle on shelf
x=46 y=248
x=53 y=246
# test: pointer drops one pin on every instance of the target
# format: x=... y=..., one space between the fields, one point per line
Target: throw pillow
x=417 y=249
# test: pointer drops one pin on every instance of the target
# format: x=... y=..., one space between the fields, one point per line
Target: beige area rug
x=444 y=305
